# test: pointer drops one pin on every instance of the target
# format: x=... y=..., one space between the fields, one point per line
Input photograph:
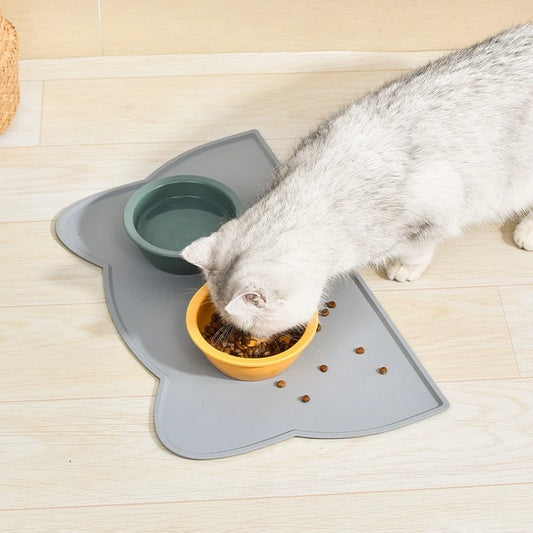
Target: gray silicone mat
x=199 y=412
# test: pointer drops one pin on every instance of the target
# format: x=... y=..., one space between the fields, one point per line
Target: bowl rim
x=244 y=362
x=152 y=185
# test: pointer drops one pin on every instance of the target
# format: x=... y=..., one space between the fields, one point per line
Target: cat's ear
x=246 y=304
x=200 y=252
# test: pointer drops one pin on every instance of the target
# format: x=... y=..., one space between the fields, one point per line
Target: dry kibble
x=382 y=370
x=323 y=368
x=331 y=304
x=359 y=350
x=305 y=398
x=239 y=343
x=280 y=383
x=324 y=312
x=318 y=327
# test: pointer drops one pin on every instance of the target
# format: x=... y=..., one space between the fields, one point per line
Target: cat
x=381 y=183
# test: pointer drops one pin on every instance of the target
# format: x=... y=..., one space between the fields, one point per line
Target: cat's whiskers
x=218 y=334
x=222 y=333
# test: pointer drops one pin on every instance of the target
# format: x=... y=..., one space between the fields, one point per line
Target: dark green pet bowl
x=165 y=215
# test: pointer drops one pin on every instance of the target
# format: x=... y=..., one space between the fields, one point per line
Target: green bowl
x=165 y=215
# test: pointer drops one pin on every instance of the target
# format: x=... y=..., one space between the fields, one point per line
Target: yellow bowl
x=199 y=312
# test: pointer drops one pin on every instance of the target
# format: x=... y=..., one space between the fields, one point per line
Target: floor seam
x=509 y=333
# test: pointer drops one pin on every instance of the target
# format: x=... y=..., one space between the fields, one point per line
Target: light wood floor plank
x=210 y=64
x=37 y=270
x=457 y=333
x=189 y=108
x=241 y=26
x=66 y=351
x=471 y=509
x=518 y=306
x=25 y=129
x=95 y=451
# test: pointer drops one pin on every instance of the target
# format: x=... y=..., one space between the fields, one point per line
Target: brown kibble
x=241 y=344
x=382 y=370
x=318 y=327
x=305 y=398
x=324 y=312
x=359 y=350
x=280 y=383
x=323 y=368
x=331 y=304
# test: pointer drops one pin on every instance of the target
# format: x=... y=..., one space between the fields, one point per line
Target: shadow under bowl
x=199 y=313
x=165 y=215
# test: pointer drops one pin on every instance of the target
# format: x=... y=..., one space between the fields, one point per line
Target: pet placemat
x=201 y=413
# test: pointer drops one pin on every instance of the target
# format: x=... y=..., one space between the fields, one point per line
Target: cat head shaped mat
x=201 y=413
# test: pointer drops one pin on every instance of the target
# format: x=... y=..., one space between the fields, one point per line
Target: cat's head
x=250 y=289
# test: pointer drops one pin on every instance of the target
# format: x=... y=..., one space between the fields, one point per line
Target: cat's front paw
x=523 y=234
x=397 y=271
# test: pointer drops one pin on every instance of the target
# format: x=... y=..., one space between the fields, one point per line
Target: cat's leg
x=523 y=233
x=410 y=261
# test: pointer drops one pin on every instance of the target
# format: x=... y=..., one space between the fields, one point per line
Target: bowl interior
x=176 y=213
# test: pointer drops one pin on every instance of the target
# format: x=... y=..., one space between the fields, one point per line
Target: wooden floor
x=78 y=451
x=67 y=28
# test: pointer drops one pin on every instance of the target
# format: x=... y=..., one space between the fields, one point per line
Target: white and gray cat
x=383 y=182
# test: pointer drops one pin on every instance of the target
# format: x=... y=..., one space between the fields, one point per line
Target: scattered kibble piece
x=280 y=383
x=305 y=398
x=318 y=327
x=324 y=312
x=323 y=368
x=359 y=350
x=382 y=370
x=331 y=304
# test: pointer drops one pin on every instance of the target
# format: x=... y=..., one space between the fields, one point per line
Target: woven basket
x=9 y=83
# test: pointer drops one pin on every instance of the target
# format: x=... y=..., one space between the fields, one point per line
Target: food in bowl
x=242 y=344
